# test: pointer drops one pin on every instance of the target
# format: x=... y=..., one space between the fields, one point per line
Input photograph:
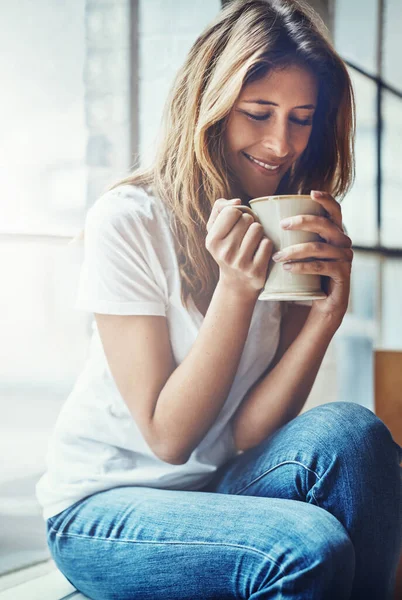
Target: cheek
x=237 y=136
x=302 y=141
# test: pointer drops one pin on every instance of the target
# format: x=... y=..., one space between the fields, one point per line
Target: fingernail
x=234 y=200
x=277 y=256
x=285 y=223
x=317 y=193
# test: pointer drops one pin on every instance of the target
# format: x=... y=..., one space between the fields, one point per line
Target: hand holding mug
x=237 y=242
x=330 y=257
x=309 y=242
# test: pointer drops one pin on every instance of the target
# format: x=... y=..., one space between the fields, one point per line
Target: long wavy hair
x=246 y=40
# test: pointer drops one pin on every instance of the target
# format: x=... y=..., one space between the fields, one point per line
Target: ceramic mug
x=269 y=211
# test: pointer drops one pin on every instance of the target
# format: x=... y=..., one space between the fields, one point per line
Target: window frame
x=381 y=87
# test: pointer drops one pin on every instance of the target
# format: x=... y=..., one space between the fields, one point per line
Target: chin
x=271 y=190
x=250 y=194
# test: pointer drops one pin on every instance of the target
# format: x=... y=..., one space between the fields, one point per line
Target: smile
x=265 y=166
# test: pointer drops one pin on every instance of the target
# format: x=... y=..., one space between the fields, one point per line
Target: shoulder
x=128 y=220
x=126 y=204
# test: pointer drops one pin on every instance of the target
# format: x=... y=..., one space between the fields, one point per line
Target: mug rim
x=280 y=197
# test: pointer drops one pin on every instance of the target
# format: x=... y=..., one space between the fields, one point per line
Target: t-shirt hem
x=123 y=308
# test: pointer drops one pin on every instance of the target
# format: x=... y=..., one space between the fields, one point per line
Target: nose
x=277 y=139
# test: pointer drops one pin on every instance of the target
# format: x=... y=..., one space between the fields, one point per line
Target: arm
x=195 y=392
x=175 y=406
x=281 y=393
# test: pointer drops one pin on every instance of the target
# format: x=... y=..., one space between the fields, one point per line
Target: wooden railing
x=388 y=407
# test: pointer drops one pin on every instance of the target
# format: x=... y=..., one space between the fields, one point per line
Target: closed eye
x=303 y=123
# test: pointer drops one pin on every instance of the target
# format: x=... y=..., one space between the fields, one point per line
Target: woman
x=180 y=466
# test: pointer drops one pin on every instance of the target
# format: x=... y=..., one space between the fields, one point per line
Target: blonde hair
x=189 y=173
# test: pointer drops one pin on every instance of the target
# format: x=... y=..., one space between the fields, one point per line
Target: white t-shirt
x=130 y=268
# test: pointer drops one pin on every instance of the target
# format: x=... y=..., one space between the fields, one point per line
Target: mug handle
x=248 y=210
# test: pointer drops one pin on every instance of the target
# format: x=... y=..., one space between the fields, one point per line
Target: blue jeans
x=312 y=512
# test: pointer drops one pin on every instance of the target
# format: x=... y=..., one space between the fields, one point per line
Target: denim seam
x=314 y=496
x=271 y=469
x=76 y=535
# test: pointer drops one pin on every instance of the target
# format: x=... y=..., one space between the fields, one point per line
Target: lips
x=268 y=162
x=269 y=171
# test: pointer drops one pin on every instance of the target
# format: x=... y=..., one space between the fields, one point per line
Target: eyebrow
x=307 y=106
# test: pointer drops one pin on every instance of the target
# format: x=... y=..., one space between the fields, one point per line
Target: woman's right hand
x=239 y=245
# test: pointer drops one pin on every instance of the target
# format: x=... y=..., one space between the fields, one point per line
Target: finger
x=325 y=228
x=248 y=210
x=313 y=249
x=339 y=271
x=218 y=206
x=263 y=253
x=250 y=242
x=331 y=206
x=226 y=221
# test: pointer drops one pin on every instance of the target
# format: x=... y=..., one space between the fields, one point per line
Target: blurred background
x=84 y=83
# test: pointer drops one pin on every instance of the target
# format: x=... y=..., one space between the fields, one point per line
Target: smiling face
x=271 y=122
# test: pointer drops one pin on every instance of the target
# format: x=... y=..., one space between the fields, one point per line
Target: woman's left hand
x=331 y=258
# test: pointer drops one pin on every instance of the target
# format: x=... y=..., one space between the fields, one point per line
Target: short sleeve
x=117 y=275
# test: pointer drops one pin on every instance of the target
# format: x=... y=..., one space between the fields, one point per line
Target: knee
x=356 y=430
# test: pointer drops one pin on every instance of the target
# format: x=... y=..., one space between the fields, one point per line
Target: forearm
x=282 y=393
x=194 y=394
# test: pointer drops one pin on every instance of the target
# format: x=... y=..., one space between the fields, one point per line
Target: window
x=358 y=16
x=392 y=21
x=65 y=130
x=391 y=234
x=373 y=211
x=77 y=108
x=359 y=208
x=367 y=36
